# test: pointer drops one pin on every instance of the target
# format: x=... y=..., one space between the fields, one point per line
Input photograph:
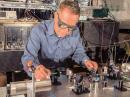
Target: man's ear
x=55 y=21
x=55 y=16
x=55 y=13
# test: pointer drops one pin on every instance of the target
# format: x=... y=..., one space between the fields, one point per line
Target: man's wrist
x=85 y=60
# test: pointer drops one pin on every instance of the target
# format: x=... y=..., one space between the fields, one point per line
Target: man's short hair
x=72 y=5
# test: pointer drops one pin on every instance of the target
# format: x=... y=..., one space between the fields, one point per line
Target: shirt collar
x=51 y=28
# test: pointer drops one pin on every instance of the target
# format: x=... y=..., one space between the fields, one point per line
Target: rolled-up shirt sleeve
x=80 y=55
x=31 y=50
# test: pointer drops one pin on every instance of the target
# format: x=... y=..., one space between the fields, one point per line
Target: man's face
x=65 y=22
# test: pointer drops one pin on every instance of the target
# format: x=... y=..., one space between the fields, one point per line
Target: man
x=57 y=40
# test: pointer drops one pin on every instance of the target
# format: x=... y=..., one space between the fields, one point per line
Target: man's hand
x=42 y=73
x=91 y=65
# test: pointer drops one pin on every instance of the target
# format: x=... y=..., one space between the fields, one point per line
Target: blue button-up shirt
x=43 y=37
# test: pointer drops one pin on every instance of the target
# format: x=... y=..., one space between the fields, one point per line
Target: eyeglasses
x=63 y=25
